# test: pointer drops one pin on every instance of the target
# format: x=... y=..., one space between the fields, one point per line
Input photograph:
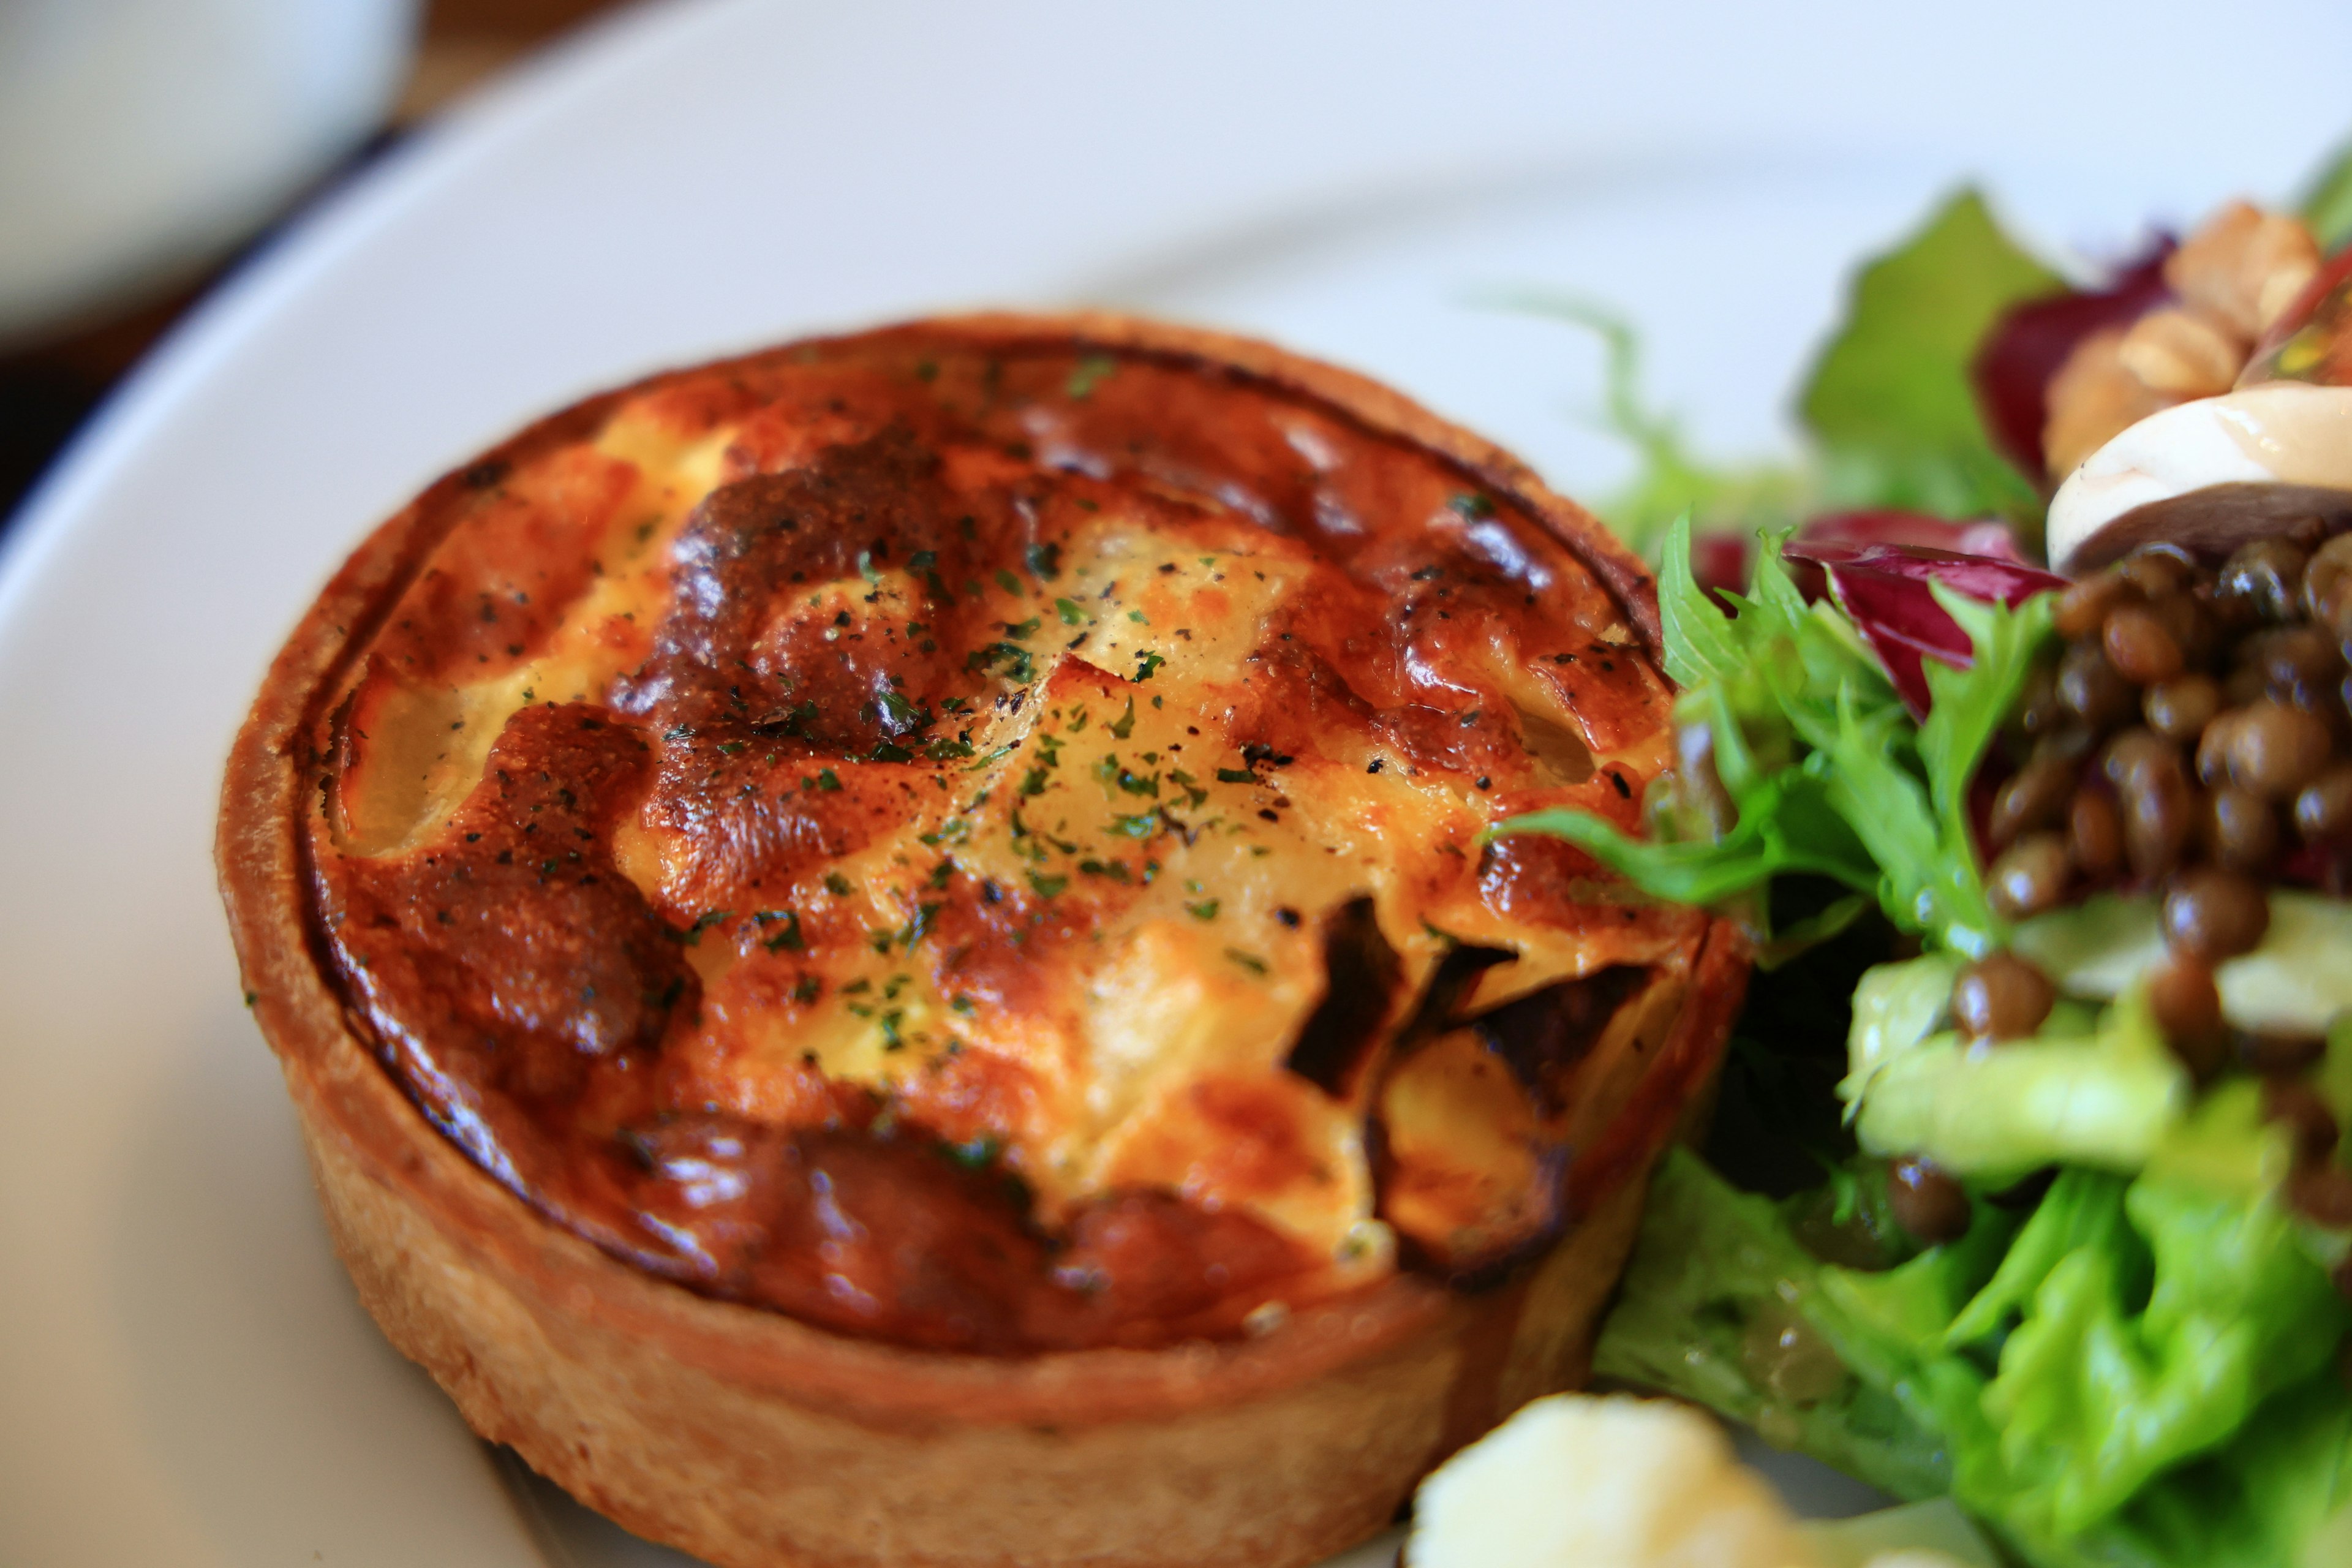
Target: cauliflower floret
x=1574 y=1482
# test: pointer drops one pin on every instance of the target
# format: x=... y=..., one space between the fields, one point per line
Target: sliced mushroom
x=2212 y=475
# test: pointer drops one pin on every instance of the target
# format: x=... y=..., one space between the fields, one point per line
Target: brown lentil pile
x=2193 y=738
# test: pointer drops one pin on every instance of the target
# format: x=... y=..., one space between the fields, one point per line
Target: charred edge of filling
x=1629 y=585
x=1456 y=975
x=1362 y=972
x=1542 y=1039
x=1545 y=1038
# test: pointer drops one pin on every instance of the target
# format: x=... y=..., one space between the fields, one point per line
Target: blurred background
x=147 y=146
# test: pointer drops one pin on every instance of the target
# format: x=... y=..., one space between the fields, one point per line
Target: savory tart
x=886 y=954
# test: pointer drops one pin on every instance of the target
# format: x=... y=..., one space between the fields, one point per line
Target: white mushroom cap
x=2209 y=474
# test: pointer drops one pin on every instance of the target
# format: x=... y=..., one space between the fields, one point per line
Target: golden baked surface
x=977 y=844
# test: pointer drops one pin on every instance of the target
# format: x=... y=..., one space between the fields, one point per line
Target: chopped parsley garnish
x=1047 y=887
x=1088 y=374
x=1019 y=667
x=1472 y=505
x=795 y=721
x=1124 y=725
x=980 y=1151
x=787 y=940
x=1248 y=960
x=1072 y=613
x=826 y=780
x=836 y=884
x=920 y=926
x=692 y=935
x=1146 y=662
x=1206 y=909
x=1007 y=581
x=1235 y=775
x=1044 y=561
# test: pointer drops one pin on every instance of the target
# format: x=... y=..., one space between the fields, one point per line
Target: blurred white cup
x=141 y=139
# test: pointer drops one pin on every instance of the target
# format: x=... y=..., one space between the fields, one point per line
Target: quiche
x=886 y=951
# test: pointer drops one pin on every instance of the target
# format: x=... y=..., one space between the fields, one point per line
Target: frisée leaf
x=1819 y=760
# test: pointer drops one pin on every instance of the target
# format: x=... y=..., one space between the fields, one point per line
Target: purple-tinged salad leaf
x=1985 y=536
x=1890 y=400
x=2014 y=366
x=1886 y=590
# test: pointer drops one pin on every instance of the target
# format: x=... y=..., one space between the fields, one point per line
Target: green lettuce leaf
x=1710 y=1262
x=1970 y=705
x=2097 y=1393
x=1889 y=399
x=1703 y=645
x=2109 y=1099
x=2136 y=1376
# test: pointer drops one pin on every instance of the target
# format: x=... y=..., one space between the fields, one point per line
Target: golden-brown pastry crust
x=756 y=1440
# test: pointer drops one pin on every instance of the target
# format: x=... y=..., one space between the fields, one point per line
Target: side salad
x=2028 y=1186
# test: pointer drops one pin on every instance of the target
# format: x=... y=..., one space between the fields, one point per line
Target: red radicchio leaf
x=1719 y=560
x=1862 y=530
x=1885 y=588
x=2013 y=365
x=1988 y=537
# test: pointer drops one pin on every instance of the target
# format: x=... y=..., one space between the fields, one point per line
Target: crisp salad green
x=2130 y=1358
x=1889 y=401
x=1824 y=768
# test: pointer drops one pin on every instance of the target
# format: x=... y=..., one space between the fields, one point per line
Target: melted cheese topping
x=1060 y=788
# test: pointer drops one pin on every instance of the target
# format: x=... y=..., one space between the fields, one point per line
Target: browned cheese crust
x=885 y=954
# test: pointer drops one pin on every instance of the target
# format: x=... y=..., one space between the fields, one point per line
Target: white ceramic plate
x=184 y=1377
